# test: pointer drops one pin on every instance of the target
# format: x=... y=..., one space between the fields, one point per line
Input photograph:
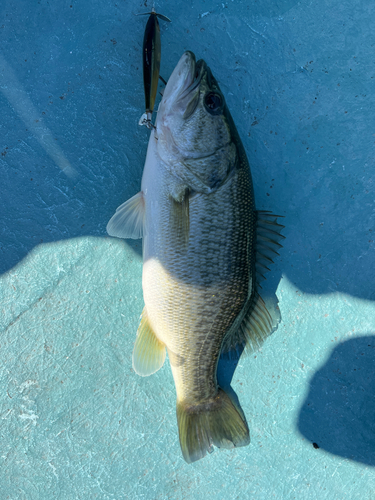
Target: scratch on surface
x=336 y=469
x=4 y=416
x=27 y=384
x=59 y=365
x=305 y=365
x=22 y=105
x=53 y=469
x=63 y=274
x=28 y=415
x=255 y=31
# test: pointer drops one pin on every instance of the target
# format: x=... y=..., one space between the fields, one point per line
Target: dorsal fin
x=261 y=317
x=267 y=242
x=128 y=221
x=149 y=353
x=260 y=320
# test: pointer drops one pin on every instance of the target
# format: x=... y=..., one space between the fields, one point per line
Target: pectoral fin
x=149 y=353
x=128 y=221
x=180 y=221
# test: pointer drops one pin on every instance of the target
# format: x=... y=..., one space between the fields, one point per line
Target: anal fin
x=149 y=353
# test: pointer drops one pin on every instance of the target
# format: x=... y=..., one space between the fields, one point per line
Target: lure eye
x=213 y=103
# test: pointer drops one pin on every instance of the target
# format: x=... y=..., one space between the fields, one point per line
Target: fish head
x=192 y=127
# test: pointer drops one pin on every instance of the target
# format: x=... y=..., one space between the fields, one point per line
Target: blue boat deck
x=77 y=422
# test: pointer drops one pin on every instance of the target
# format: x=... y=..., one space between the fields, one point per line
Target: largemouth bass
x=204 y=249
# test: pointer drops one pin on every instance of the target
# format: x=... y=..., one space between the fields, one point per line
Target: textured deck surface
x=76 y=421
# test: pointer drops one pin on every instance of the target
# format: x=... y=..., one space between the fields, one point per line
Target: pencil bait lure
x=151 y=64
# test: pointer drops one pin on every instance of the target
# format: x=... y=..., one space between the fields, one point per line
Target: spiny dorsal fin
x=267 y=241
x=128 y=221
x=149 y=352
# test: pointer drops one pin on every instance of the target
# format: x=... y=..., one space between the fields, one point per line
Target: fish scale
x=213 y=268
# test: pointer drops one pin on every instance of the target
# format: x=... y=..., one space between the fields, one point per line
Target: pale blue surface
x=76 y=421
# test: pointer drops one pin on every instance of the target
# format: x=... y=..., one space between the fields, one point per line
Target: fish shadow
x=225 y=370
x=228 y=361
x=338 y=412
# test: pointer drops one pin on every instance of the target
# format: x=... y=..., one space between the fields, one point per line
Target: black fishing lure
x=151 y=64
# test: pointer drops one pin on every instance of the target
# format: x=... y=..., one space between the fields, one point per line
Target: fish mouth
x=184 y=79
x=194 y=77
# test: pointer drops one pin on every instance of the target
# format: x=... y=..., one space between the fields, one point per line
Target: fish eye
x=213 y=102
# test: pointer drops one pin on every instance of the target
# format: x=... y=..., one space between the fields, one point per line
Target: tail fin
x=216 y=422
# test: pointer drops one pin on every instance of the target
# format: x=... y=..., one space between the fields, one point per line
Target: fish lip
x=180 y=82
x=184 y=80
x=194 y=76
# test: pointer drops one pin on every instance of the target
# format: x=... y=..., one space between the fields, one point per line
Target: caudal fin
x=216 y=422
